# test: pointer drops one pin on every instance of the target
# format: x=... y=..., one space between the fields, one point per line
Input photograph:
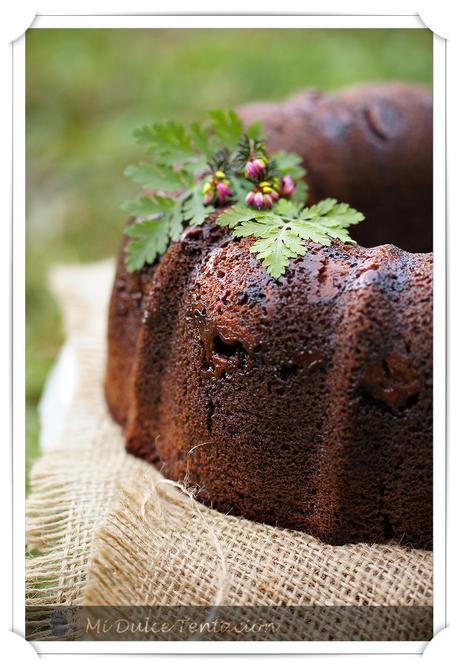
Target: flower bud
x=219 y=175
x=287 y=186
x=268 y=202
x=274 y=195
x=259 y=200
x=251 y=171
x=222 y=192
x=255 y=169
x=207 y=199
x=250 y=198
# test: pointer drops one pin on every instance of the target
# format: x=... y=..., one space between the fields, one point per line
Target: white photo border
x=439 y=351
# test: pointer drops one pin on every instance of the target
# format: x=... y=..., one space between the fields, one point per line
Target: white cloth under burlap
x=106 y=529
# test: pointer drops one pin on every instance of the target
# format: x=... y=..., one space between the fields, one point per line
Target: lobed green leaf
x=194 y=211
x=281 y=232
x=237 y=214
x=151 y=238
x=181 y=157
x=158 y=177
x=147 y=206
x=227 y=126
x=169 y=139
x=289 y=163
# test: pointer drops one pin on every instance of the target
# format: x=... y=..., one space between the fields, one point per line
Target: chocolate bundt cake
x=303 y=402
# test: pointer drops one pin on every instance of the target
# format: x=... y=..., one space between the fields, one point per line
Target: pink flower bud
x=287 y=187
x=259 y=200
x=274 y=195
x=207 y=199
x=255 y=169
x=250 y=198
x=222 y=191
x=268 y=202
x=251 y=171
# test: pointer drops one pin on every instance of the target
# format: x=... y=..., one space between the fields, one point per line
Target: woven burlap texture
x=108 y=529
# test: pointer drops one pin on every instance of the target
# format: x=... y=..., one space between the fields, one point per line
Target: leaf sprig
x=171 y=182
x=281 y=232
x=193 y=171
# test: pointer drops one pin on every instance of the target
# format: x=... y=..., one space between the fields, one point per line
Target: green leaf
x=320 y=209
x=194 y=211
x=333 y=214
x=310 y=232
x=280 y=233
x=151 y=238
x=158 y=177
x=276 y=251
x=172 y=144
x=181 y=158
x=237 y=214
x=202 y=140
x=144 y=206
x=287 y=208
x=227 y=126
x=240 y=188
x=170 y=140
x=262 y=228
x=289 y=163
x=275 y=246
x=301 y=193
x=255 y=130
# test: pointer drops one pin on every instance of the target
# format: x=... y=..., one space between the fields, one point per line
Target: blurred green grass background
x=86 y=90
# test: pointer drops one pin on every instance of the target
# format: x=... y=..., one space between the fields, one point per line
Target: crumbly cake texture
x=304 y=402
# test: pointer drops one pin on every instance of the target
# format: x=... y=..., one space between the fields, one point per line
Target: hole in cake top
x=226 y=349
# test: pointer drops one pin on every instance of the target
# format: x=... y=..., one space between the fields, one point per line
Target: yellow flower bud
x=227 y=182
x=206 y=188
x=267 y=190
x=264 y=184
x=220 y=175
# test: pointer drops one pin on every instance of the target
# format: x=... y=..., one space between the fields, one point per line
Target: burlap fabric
x=107 y=529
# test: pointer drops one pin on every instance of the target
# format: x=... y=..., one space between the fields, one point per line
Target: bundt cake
x=303 y=402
